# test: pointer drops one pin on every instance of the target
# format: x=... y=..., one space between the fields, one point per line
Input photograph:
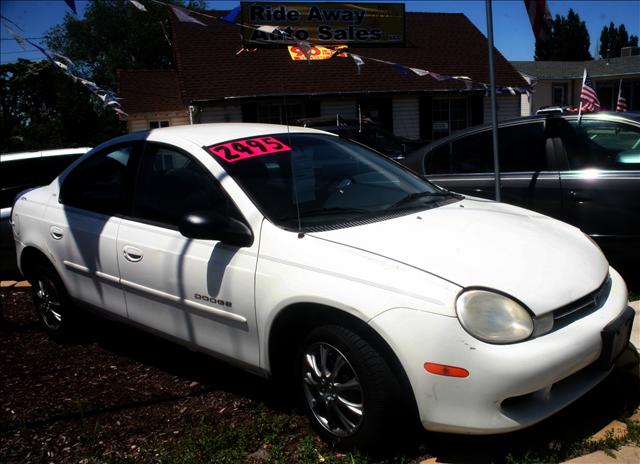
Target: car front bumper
x=509 y=387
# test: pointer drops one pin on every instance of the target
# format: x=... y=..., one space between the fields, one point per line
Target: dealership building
x=215 y=80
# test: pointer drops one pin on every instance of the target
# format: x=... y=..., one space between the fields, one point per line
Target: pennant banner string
x=232 y=16
x=68 y=67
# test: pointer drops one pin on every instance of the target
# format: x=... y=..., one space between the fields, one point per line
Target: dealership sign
x=362 y=24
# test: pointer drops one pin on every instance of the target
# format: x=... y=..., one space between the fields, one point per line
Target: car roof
x=212 y=133
x=417 y=155
x=43 y=154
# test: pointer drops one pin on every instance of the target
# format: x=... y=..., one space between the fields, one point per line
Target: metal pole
x=494 y=117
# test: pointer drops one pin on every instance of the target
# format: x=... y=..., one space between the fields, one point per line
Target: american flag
x=540 y=18
x=588 y=96
x=621 y=106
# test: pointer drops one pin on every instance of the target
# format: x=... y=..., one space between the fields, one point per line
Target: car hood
x=542 y=262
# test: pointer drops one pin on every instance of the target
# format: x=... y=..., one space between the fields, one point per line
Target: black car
x=585 y=172
x=366 y=133
x=18 y=172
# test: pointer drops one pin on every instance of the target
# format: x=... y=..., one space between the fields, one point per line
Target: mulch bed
x=112 y=395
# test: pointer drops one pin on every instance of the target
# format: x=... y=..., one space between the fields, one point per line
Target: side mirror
x=207 y=225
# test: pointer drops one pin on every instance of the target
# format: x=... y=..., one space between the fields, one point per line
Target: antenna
x=293 y=171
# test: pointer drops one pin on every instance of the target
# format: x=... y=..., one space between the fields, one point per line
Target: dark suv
x=586 y=173
x=366 y=133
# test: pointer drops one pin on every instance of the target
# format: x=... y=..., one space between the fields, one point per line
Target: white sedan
x=294 y=253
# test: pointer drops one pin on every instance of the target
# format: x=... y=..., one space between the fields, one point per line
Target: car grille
x=582 y=306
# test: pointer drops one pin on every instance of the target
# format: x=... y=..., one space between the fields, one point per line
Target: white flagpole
x=584 y=78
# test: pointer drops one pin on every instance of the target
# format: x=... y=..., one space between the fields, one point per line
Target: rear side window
x=522 y=148
x=602 y=145
x=472 y=154
x=438 y=161
x=97 y=183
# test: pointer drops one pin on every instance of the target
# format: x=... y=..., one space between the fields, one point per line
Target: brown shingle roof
x=208 y=67
x=144 y=90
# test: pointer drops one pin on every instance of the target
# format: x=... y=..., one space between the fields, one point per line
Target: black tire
x=355 y=402
x=52 y=303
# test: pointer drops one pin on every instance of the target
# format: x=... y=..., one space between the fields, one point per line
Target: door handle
x=132 y=254
x=577 y=196
x=56 y=232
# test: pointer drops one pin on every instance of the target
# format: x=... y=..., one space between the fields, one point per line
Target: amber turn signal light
x=443 y=369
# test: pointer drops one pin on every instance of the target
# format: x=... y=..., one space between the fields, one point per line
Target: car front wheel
x=51 y=301
x=348 y=389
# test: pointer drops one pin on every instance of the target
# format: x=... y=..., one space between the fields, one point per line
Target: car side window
x=472 y=154
x=170 y=184
x=602 y=145
x=522 y=148
x=97 y=183
x=438 y=161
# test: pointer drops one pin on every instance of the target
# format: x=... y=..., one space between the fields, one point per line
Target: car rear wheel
x=51 y=301
x=347 y=387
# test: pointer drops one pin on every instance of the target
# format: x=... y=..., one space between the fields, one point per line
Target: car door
x=84 y=227
x=198 y=291
x=527 y=173
x=601 y=177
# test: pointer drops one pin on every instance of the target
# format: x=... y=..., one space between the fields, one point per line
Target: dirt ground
x=119 y=395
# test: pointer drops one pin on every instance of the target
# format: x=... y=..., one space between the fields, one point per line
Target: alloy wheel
x=332 y=389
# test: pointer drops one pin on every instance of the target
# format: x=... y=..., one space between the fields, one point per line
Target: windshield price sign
x=247 y=148
x=362 y=24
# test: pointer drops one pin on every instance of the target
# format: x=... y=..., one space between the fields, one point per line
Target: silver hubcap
x=48 y=303
x=332 y=389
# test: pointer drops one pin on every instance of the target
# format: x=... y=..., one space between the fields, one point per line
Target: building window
x=158 y=124
x=448 y=115
x=559 y=94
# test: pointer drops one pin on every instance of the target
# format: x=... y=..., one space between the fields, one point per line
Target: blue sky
x=513 y=36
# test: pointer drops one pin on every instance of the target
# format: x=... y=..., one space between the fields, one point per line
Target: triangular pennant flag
x=268 y=29
x=305 y=48
x=359 y=61
x=183 y=15
x=420 y=72
x=72 y=5
x=231 y=16
x=18 y=38
x=438 y=77
x=138 y=5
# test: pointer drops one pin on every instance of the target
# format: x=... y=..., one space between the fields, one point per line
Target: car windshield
x=323 y=181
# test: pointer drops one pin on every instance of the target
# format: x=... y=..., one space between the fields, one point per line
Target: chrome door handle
x=56 y=232
x=132 y=254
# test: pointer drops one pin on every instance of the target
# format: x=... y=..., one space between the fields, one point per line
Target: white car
x=292 y=252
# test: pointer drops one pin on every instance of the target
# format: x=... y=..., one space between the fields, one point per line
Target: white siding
x=140 y=121
x=406 y=117
x=508 y=107
x=223 y=113
x=344 y=107
x=525 y=104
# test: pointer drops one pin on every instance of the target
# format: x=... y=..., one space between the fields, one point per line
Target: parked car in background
x=586 y=173
x=20 y=171
x=377 y=296
x=367 y=133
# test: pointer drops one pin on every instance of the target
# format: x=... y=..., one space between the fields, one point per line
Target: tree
x=42 y=108
x=613 y=39
x=568 y=41
x=113 y=35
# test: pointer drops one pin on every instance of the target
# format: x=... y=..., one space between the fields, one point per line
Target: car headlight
x=492 y=317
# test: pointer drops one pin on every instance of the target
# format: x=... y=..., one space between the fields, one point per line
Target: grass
x=268 y=439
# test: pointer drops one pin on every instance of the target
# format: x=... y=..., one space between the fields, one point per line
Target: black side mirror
x=208 y=225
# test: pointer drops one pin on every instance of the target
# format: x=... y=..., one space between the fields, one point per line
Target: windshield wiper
x=420 y=195
x=326 y=212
